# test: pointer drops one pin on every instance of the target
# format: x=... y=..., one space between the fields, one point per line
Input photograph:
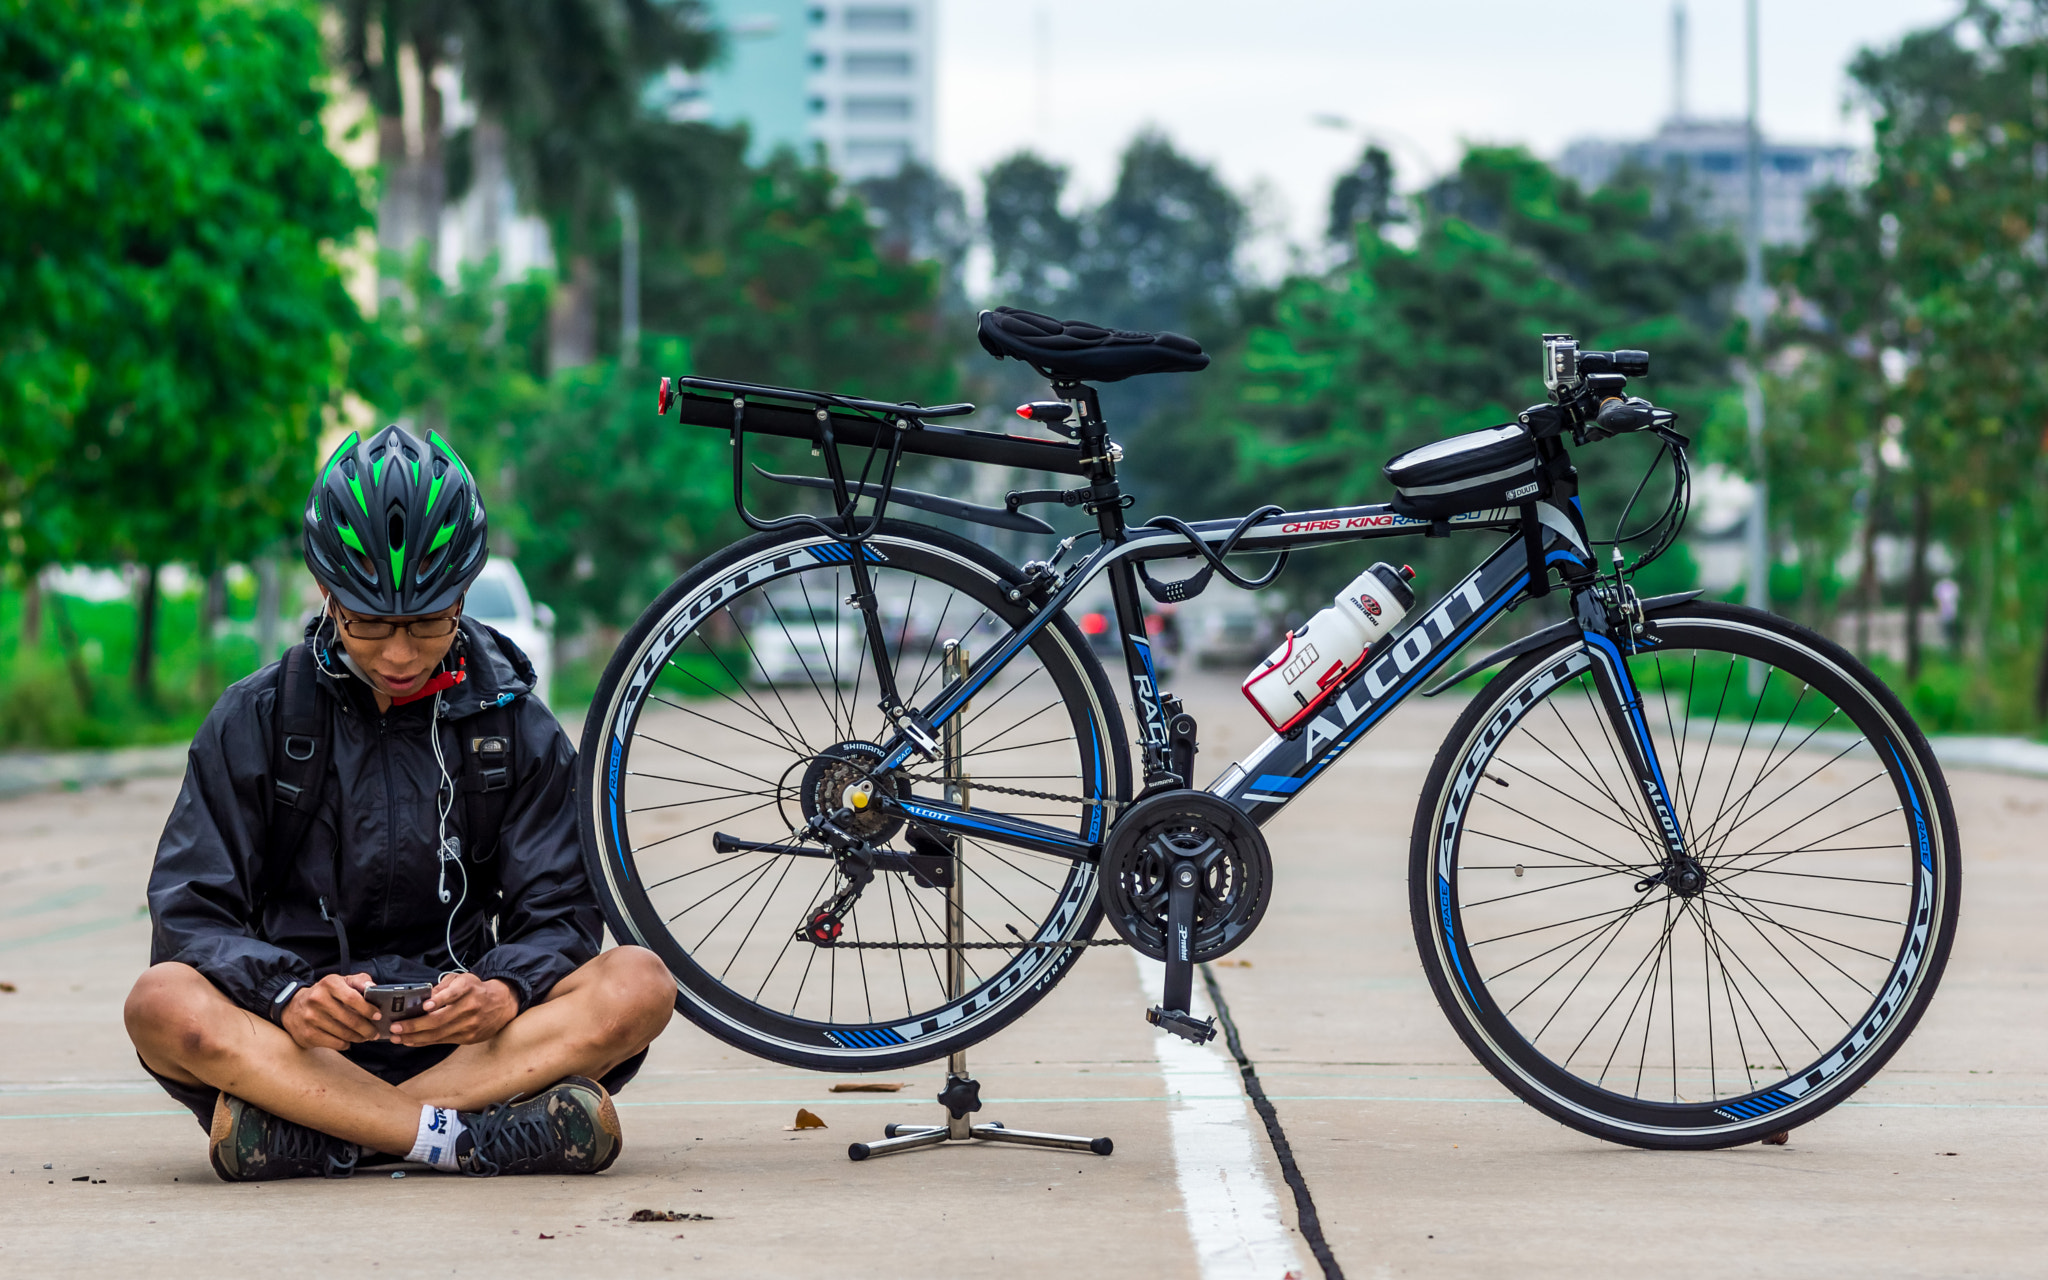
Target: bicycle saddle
x=1076 y=351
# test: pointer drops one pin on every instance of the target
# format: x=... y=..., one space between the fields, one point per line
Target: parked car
x=499 y=598
x=798 y=641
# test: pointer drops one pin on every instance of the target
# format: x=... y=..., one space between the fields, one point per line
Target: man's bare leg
x=594 y=1019
x=185 y=1029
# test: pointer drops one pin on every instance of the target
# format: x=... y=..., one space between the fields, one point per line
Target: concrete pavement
x=1418 y=1162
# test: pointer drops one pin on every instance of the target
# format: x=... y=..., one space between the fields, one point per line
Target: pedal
x=1185 y=1025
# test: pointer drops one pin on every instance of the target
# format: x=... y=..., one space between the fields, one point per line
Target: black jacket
x=529 y=917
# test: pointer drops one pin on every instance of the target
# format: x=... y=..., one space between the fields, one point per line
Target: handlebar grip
x=1618 y=416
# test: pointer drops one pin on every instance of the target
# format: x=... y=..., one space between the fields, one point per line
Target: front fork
x=1611 y=622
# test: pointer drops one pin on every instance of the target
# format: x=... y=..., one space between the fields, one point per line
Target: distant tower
x=1678 y=109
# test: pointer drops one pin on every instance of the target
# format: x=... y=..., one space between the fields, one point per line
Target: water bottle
x=1316 y=657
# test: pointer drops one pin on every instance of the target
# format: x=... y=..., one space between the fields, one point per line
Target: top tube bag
x=1497 y=467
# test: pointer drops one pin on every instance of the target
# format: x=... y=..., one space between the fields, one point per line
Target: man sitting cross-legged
x=388 y=806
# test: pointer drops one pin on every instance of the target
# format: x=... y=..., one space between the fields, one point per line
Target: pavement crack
x=1304 y=1202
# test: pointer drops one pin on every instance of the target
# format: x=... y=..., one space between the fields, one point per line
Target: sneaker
x=570 y=1127
x=248 y=1144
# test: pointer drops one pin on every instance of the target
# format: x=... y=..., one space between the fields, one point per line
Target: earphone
x=319 y=650
x=447 y=848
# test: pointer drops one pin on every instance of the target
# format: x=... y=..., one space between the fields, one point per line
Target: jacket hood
x=498 y=671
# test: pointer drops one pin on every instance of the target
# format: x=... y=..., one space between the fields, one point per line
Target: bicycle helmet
x=394 y=527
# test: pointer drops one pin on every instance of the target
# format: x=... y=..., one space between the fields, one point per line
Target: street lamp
x=1756 y=306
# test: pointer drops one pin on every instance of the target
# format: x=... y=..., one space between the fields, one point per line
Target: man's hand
x=332 y=1014
x=463 y=1009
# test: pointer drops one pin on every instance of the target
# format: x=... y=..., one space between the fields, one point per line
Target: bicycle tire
x=770 y=709
x=1494 y=811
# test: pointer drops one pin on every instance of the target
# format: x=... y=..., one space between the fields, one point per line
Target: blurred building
x=1710 y=158
x=1709 y=161
x=855 y=78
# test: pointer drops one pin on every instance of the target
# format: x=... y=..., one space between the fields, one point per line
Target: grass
x=40 y=703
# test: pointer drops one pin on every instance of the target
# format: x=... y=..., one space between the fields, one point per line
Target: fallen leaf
x=1778 y=1139
x=805 y=1119
x=7 y=986
x=667 y=1215
x=869 y=1086
x=545 y=1236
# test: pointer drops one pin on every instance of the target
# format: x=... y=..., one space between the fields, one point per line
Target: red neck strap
x=441 y=680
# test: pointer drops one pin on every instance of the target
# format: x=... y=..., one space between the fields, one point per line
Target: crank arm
x=1171 y=1014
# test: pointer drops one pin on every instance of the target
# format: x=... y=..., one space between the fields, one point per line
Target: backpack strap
x=489 y=767
x=299 y=767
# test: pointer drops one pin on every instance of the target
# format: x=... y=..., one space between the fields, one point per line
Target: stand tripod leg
x=962 y=1094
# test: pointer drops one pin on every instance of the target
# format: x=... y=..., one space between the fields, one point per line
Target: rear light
x=1046 y=411
x=668 y=395
x=1154 y=624
x=1094 y=624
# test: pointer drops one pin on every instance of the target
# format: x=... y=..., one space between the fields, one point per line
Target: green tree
x=1034 y=243
x=1928 y=285
x=795 y=291
x=172 y=321
x=1399 y=346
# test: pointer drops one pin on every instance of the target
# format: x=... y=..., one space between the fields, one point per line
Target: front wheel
x=1701 y=1013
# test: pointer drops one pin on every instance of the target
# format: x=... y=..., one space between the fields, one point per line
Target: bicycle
x=1683 y=874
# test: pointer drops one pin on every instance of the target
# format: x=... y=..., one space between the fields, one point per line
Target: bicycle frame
x=1272 y=776
x=1285 y=764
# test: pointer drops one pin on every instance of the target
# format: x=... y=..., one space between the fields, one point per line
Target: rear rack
x=886 y=429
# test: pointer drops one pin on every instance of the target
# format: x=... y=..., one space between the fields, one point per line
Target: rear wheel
x=745 y=700
x=1664 y=1013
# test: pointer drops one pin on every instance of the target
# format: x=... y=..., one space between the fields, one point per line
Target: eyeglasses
x=418 y=628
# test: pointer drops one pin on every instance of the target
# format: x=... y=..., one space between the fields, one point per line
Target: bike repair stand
x=962 y=1095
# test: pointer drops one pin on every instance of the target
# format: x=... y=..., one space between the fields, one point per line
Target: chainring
x=1225 y=845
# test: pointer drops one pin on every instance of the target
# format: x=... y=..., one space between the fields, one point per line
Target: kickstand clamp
x=962 y=1095
x=1171 y=1014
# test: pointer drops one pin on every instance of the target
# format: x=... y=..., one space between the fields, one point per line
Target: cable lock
x=1194 y=584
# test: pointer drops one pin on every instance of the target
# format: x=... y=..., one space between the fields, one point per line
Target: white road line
x=1232 y=1216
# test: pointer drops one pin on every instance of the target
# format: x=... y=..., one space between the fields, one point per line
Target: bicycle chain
x=938 y=780
x=981 y=946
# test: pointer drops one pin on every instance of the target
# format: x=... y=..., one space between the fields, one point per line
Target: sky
x=1240 y=85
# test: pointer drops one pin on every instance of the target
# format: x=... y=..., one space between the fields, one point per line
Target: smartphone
x=397 y=1001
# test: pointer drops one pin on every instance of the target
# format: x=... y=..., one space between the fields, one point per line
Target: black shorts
x=391 y=1063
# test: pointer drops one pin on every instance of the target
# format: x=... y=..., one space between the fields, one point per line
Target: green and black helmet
x=395 y=526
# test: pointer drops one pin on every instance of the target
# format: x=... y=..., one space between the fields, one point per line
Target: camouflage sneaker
x=248 y=1144
x=570 y=1127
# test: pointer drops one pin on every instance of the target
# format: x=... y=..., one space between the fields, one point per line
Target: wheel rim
x=1663 y=1005
x=759 y=685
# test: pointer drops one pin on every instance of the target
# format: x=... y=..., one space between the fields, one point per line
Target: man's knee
x=640 y=996
x=167 y=1013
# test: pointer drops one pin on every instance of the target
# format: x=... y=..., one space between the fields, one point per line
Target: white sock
x=435 y=1145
